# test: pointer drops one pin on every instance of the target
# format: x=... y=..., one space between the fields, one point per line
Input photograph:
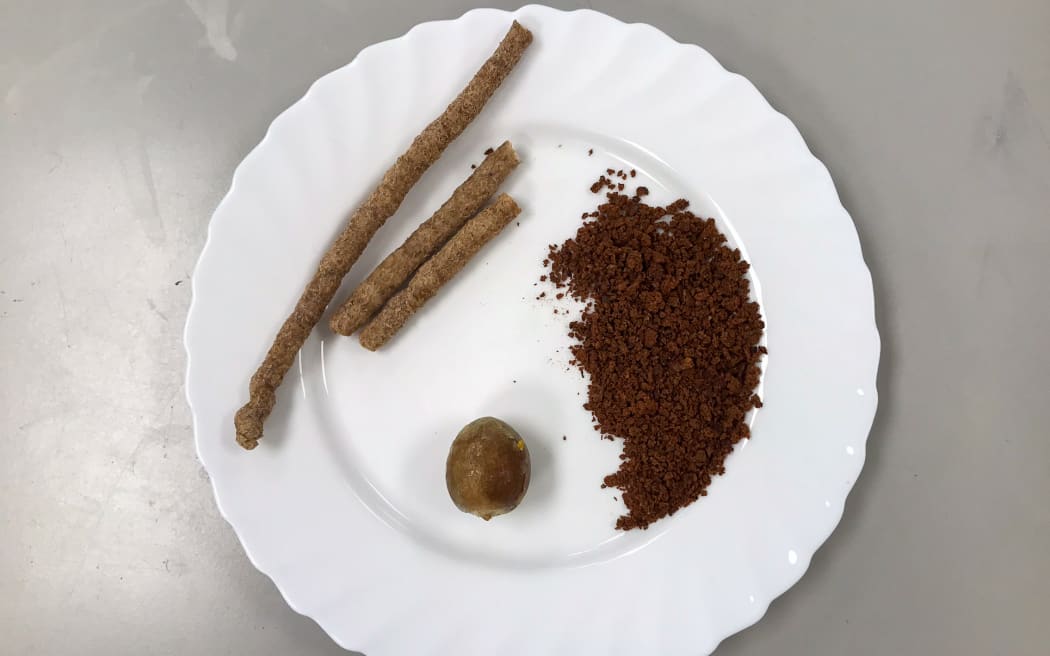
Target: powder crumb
x=489 y=151
x=590 y=152
x=670 y=340
x=642 y=191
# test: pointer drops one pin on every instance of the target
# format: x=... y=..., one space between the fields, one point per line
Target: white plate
x=344 y=504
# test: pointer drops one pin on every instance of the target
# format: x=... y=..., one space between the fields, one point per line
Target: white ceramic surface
x=344 y=505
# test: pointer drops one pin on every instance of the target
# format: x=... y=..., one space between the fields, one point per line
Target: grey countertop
x=121 y=122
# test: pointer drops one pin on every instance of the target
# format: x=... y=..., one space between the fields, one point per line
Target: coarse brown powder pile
x=670 y=339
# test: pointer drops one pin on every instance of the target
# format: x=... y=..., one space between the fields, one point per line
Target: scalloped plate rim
x=310 y=95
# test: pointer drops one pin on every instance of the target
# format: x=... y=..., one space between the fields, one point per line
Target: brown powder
x=670 y=339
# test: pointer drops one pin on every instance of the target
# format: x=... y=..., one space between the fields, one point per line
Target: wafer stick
x=363 y=224
x=438 y=270
x=392 y=273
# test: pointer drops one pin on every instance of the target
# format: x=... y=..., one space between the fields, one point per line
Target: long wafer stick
x=438 y=270
x=363 y=224
x=392 y=273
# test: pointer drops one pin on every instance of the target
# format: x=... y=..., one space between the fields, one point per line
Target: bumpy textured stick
x=438 y=270
x=392 y=273
x=363 y=224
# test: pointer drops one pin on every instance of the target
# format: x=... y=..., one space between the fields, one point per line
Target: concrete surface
x=121 y=122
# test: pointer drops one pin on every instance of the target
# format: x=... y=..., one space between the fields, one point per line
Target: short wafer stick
x=438 y=270
x=363 y=224
x=392 y=273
